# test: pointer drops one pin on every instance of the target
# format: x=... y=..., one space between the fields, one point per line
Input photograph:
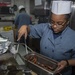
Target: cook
x=57 y=38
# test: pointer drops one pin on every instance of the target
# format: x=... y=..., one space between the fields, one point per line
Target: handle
x=26 y=46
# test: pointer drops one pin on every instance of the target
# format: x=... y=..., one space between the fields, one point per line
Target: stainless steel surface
x=41 y=60
x=8 y=63
x=8 y=34
x=72 y=19
x=5 y=56
x=14 y=48
x=26 y=46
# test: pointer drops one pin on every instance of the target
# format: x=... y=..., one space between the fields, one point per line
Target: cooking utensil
x=26 y=46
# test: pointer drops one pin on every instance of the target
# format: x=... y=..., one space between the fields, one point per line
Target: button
x=52 y=50
x=45 y=47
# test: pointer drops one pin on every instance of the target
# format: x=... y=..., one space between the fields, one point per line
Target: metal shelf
x=3 y=15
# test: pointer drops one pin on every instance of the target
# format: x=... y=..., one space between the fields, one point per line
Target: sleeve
x=37 y=31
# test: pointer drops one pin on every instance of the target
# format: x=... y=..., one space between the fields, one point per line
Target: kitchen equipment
x=14 y=48
x=4 y=44
x=9 y=65
x=40 y=64
x=26 y=46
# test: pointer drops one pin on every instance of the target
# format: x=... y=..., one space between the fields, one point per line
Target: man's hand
x=22 y=31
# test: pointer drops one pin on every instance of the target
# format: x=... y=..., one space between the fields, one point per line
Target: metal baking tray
x=40 y=64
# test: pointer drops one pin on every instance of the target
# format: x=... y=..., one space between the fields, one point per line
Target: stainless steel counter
x=12 y=64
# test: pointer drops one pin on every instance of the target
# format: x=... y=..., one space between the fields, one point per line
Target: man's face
x=58 y=22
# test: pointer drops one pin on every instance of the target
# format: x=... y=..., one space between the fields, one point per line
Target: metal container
x=40 y=64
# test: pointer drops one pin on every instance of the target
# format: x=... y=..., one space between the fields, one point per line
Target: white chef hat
x=20 y=7
x=61 y=7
